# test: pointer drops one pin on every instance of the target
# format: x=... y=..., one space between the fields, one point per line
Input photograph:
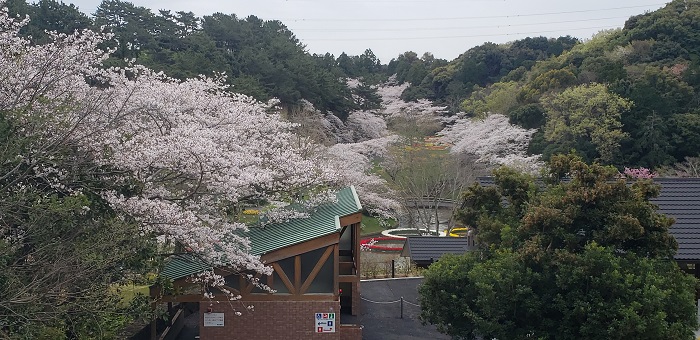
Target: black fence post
x=402 y=307
x=392 y=269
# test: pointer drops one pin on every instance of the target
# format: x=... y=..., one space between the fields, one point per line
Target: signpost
x=213 y=319
x=324 y=322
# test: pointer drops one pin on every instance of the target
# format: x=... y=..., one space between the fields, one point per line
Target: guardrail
x=430 y=202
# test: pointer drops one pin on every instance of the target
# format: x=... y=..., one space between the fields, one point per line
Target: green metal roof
x=322 y=222
x=325 y=220
x=183 y=265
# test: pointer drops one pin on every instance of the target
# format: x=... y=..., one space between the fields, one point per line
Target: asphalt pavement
x=382 y=316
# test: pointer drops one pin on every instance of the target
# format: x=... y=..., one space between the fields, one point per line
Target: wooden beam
x=297 y=274
x=232 y=290
x=301 y=248
x=249 y=285
x=289 y=297
x=336 y=267
x=189 y=298
x=351 y=219
x=284 y=278
x=348 y=278
x=317 y=269
x=251 y=297
x=357 y=253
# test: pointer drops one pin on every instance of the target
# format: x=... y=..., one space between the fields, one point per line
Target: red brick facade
x=350 y=332
x=274 y=320
x=356 y=303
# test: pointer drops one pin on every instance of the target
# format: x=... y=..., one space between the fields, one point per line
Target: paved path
x=381 y=311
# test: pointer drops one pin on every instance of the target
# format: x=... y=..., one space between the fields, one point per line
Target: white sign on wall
x=324 y=322
x=213 y=319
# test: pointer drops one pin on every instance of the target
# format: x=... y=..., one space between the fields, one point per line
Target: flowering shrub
x=639 y=173
x=371 y=244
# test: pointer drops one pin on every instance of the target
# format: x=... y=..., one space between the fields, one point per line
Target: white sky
x=445 y=28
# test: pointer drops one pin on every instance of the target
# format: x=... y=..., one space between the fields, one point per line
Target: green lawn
x=128 y=292
x=372 y=225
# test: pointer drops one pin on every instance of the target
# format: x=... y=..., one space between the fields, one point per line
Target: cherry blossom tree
x=393 y=106
x=182 y=152
x=366 y=125
x=354 y=163
x=639 y=173
x=494 y=141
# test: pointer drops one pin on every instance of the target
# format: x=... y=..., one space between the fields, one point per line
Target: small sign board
x=324 y=322
x=213 y=319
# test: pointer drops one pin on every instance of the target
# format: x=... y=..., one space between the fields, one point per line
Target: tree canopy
x=580 y=254
x=649 y=68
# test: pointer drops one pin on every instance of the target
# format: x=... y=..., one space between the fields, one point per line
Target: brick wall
x=350 y=332
x=273 y=320
x=356 y=302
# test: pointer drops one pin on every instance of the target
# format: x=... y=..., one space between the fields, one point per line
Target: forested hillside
x=627 y=97
x=450 y=83
x=260 y=58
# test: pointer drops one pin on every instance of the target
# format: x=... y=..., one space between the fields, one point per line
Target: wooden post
x=154 y=331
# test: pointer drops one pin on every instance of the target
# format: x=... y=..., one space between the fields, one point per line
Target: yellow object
x=459 y=232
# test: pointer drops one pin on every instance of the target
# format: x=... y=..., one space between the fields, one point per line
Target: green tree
x=530 y=116
x=497 y=98
x=586 y=115
x=596 y=294
x=57 y=271
x=661 y=102
x=581 y=257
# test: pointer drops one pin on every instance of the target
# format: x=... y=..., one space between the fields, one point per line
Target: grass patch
x=372 y=225
x=129 y=291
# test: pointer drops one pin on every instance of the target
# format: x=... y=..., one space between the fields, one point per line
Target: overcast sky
x=445 y=28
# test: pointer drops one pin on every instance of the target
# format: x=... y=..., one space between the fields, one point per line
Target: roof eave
x=357 y=198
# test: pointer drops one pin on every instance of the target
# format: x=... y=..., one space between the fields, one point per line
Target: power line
x=460 y=36
x=470 y=17
x=447 y=28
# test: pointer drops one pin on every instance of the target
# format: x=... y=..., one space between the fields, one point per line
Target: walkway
x=381 y=311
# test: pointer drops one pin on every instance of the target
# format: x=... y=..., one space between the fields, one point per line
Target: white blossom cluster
x=494 y=141
x=393 y=106
x=352 y=83
x=364 y=125
x=375 y=194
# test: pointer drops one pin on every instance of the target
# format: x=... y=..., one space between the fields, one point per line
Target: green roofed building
x=316 y=278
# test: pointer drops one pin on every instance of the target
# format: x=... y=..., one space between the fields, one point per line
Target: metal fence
x=399 y=267
x=398 y=308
